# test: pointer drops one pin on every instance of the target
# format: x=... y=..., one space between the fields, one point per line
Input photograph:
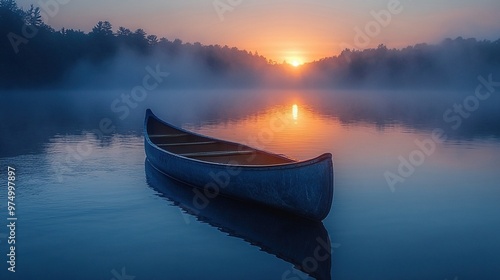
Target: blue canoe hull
x=304 y=188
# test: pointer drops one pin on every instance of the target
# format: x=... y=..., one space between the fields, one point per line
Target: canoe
x=218 y=167
x=301 y=242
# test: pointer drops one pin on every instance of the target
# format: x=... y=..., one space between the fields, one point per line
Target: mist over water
x=35 y=117
x=453 y=65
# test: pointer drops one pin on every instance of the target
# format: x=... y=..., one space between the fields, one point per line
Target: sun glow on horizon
x=295 y=63
x=294 y=58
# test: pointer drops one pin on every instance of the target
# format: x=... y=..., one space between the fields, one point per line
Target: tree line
x=453 y=62
x=35 y=55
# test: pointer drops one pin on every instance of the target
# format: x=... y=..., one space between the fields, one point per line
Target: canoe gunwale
x=294 y=164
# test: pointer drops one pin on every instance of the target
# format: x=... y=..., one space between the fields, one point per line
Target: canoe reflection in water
x=301 y=242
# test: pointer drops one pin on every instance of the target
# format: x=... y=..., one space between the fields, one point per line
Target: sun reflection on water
x=295 y=112
x=278 y=130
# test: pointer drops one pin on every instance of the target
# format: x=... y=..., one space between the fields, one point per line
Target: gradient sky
x=301 y=30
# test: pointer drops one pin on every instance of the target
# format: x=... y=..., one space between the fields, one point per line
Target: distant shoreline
x=35 y=56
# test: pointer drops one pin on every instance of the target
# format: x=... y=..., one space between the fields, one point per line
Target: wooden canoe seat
x=217 y=153
x=187 y=144
x=167 y=135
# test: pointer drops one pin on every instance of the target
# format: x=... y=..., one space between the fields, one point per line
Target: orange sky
x=292 y=30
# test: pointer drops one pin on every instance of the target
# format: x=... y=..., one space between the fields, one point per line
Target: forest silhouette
x=34 y=55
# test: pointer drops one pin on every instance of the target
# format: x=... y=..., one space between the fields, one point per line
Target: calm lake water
x=90 y=207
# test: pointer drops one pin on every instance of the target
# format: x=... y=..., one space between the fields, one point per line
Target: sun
x=295 y=63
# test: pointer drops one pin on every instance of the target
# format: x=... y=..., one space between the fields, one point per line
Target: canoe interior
x=184 y=143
